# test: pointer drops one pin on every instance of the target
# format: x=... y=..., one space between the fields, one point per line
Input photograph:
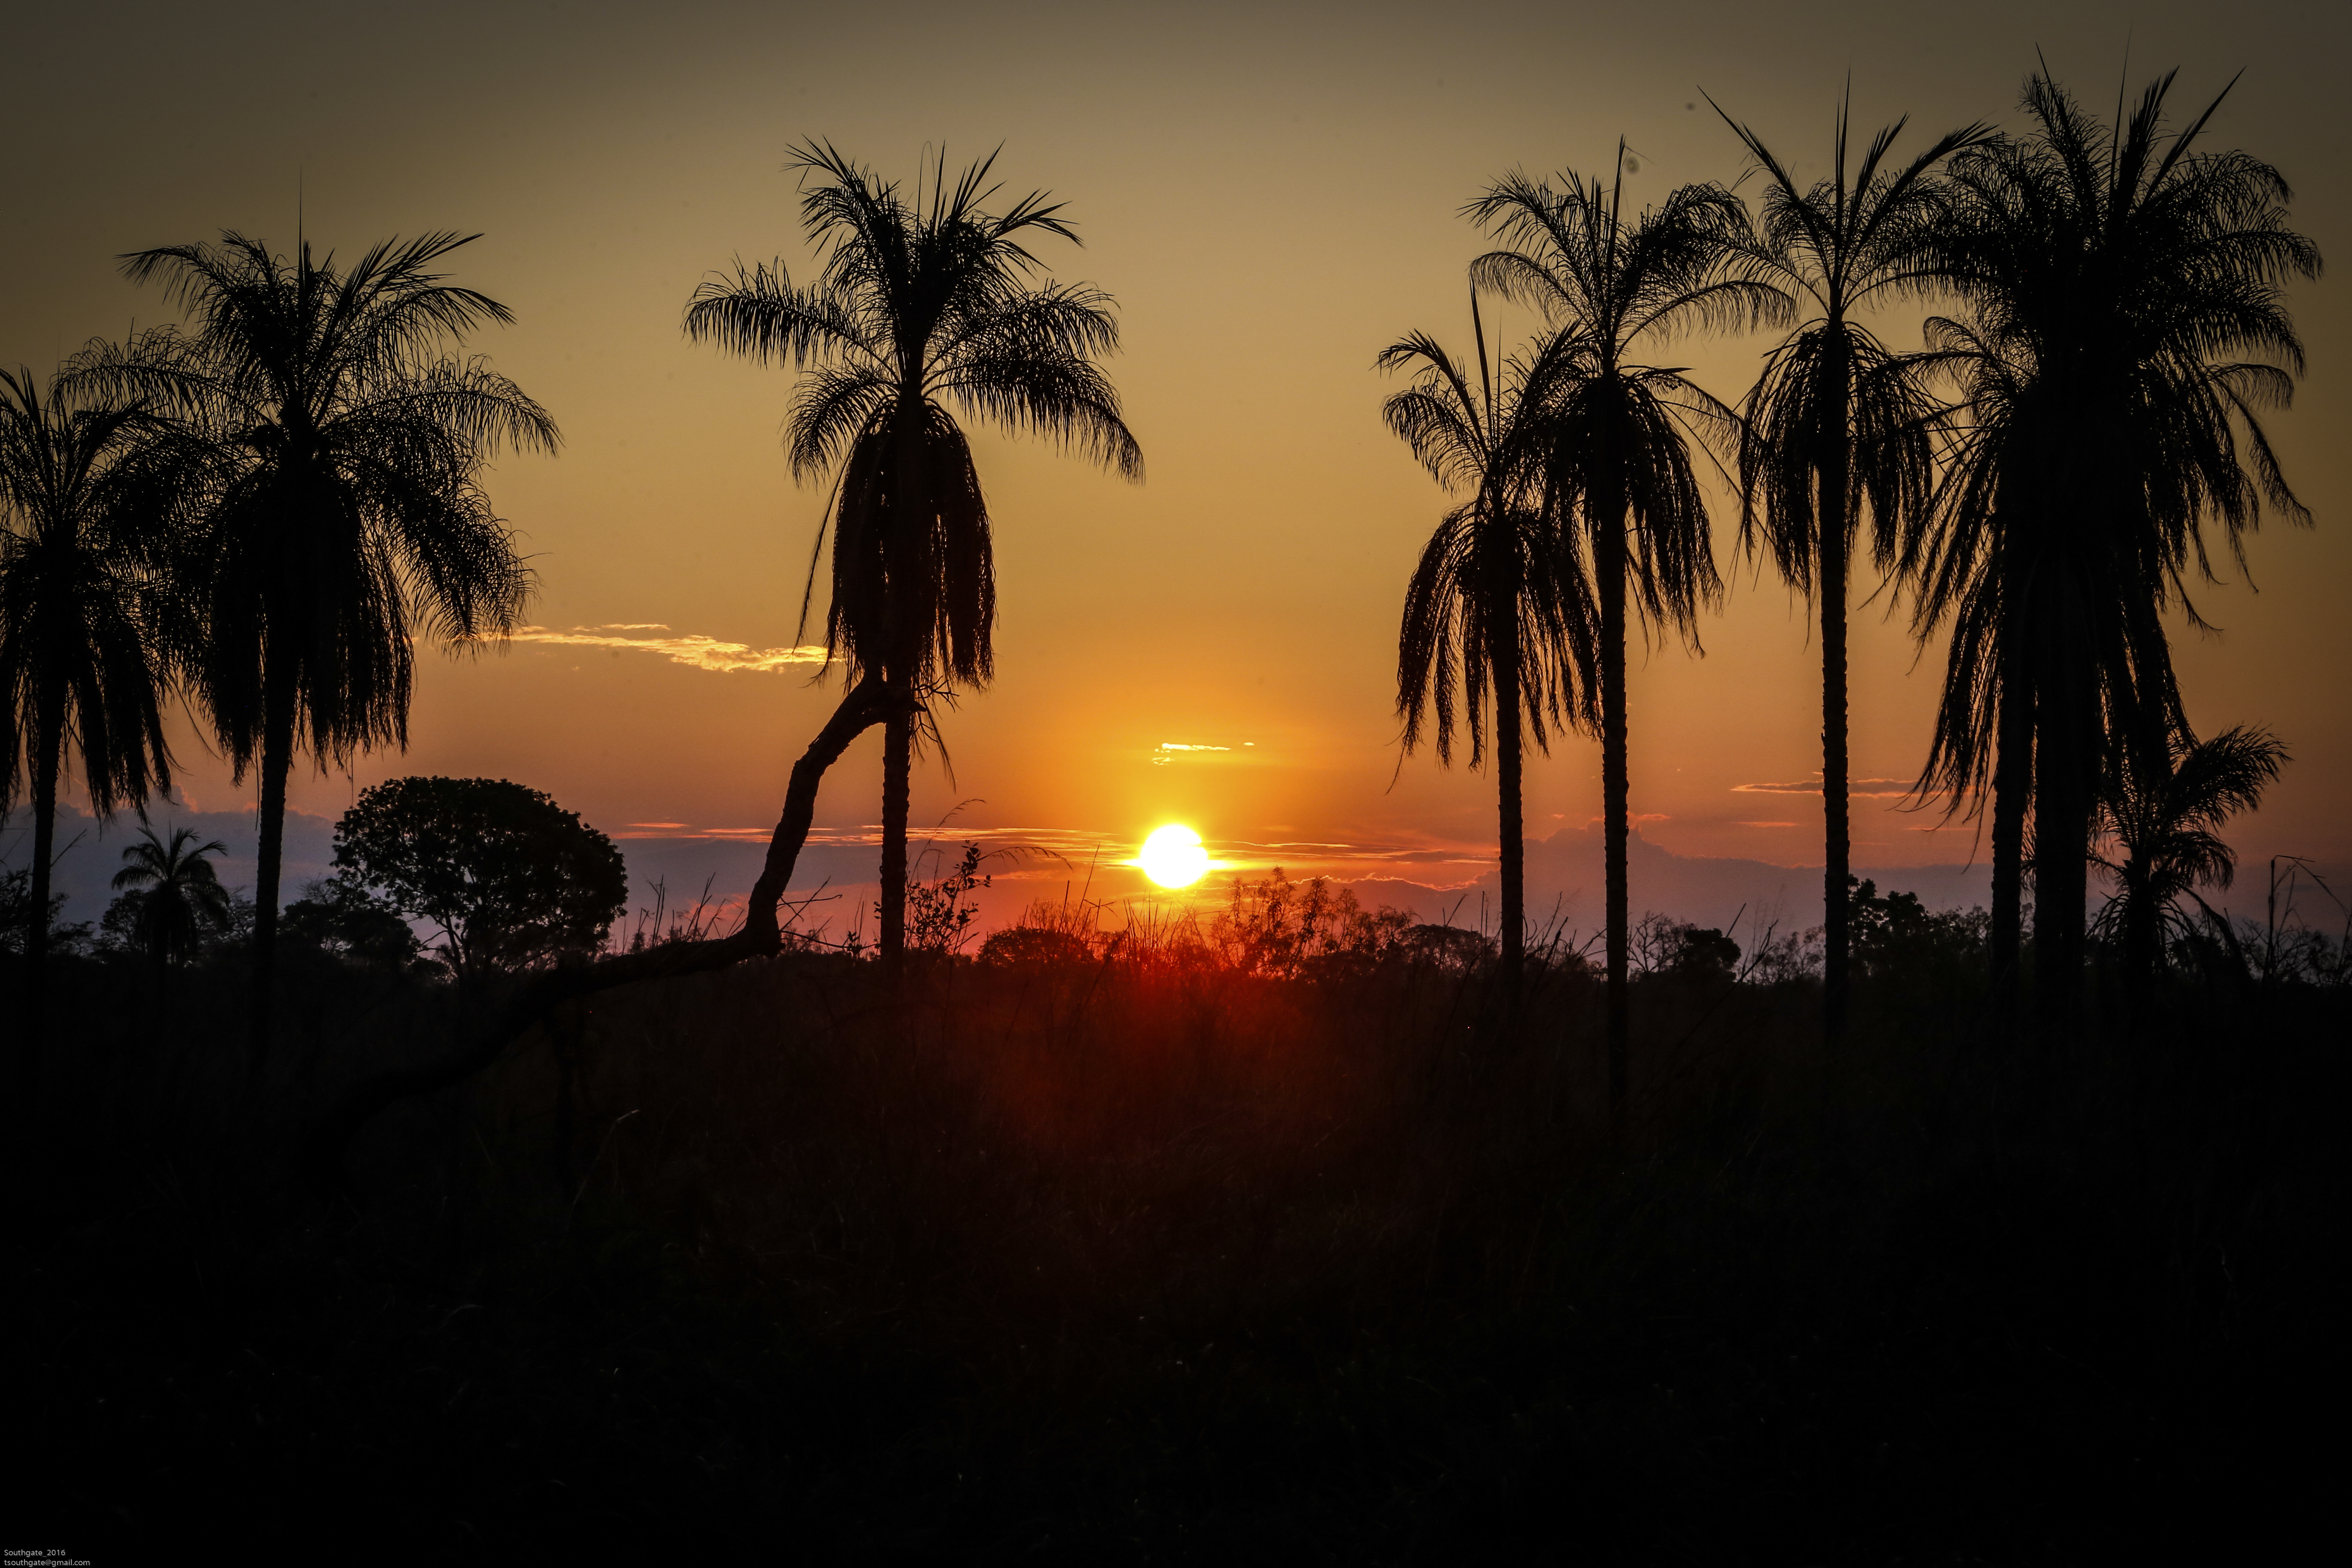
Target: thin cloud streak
x=1859 y=787
x=1169 y=751
x=691 y=648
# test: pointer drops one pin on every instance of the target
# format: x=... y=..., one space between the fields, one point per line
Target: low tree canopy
x=513 y=880
x=338 y=916
x=1897 y=933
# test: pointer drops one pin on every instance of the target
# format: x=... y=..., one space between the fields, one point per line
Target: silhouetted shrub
x=1897 y=934
x=338 y=916
x=939 y=916
x=512 y=879
x=16 y=914
x=1034 y=947
x=1661 y=945
x=1451 y=948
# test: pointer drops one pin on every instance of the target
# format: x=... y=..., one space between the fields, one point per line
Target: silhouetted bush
x=338 y=916
x=512 y=879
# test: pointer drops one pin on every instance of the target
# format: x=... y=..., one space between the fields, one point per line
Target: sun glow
x=1172 y=857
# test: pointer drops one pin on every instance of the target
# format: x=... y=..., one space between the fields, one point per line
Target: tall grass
x=1187 y=1240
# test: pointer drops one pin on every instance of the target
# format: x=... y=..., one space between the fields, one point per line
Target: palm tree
x=180 y=896
x=80 y=515
x=919 y=305
x=2112 y=280
x=345 y=508
x=1618 y=456
x=1500 y=601
x=2162 y=810
x=1837 y=423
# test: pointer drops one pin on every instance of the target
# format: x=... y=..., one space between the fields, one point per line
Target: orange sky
x=1270 y=194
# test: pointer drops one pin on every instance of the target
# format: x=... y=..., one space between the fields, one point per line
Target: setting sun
x=1172 y=857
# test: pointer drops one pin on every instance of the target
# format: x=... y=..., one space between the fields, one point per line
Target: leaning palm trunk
x=866 y=705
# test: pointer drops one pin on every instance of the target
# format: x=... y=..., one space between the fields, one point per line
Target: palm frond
x=919 y=305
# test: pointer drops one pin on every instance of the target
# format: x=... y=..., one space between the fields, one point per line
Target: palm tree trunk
x=48 y=748
x=910 y=507
x=1512 y=830
x=276 y=762
x=862 y=706
x=2062 y=794
x=2141 y=955
x=1835 y=806
x=898 y=770
x=1614 y=797
x=2013 y=779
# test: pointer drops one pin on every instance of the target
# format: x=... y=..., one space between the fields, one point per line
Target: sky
x=1272 y=193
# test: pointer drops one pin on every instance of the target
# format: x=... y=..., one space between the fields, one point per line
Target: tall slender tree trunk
x=2012 y=785
x=897 y=771
x=910 y=501
x=2142 y=953
x=277 y=764
x=1610 y=549
x=48 y=749
x=2063 y=792
x=1511 y=826
x=2012 y=775
x=1837 y=835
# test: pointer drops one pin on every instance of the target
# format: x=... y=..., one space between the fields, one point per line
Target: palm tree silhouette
x=1618 y=450
x=2161 y=809
x=180 y=895
x=343 y=507
x=1500 y=601
x=82 y=513
x=1838 y=423
x=2111 y=280
x=918 y=306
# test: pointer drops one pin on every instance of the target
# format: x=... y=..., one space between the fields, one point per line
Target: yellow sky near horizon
x=1271 y=194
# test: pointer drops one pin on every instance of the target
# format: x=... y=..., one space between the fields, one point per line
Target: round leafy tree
x=513 y=878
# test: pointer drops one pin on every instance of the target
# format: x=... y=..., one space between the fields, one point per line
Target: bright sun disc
x=1172 y=857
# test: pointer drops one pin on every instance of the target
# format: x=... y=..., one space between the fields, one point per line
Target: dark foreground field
x=1092 y=1264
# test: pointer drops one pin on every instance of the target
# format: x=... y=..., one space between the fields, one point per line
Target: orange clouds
x=693 y=648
